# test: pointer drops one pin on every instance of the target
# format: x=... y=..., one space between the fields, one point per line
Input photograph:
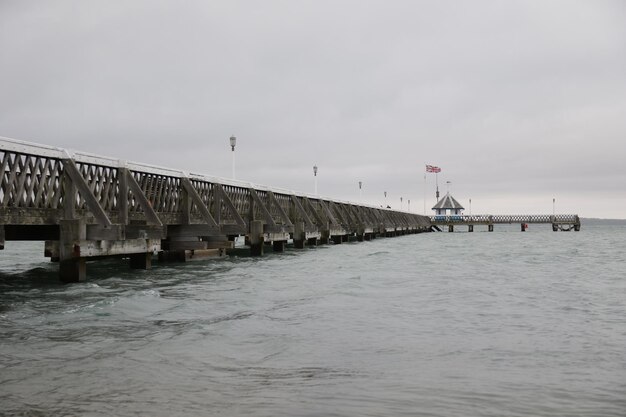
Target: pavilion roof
x=448 y=202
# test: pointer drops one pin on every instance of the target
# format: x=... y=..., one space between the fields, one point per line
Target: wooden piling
x=278 y=246
x=72 y=267
x=141 y=261
x=256 y=238
x=299 y=235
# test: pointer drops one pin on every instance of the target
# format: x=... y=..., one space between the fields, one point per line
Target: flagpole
x=424 y=193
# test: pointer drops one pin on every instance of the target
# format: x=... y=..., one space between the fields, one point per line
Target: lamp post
x=315 y=175
x=233 y=142
x=553 y=206
x=385 y=199
x=400 y=203
x=409 y=201
x=360 y=191
x=470 y=207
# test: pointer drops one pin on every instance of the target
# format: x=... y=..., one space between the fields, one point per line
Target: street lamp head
x=233 y=142
x=360 y=184
x=315 y=170
x=385 y=194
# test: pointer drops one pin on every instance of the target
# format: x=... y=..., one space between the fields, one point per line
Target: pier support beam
x=451 y=228
x=256 y=238
x=490 y=227
x=470 y=228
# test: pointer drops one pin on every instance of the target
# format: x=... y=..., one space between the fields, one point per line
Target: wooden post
x=299 y=235
x=72 y=266
x=73 y=270
x=141 y=261
x=278 y=246
x=122 y=202
x=256 y=238
x=491 y=227
x=470 y=228
x=450 y=228
x=325 y=238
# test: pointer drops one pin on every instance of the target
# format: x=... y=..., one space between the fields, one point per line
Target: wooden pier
x=564 y=222
x=87 y=207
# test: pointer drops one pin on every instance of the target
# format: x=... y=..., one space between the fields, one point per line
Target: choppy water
x=481 y=324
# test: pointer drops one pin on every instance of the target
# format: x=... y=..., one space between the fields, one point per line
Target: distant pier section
x=564 y=222
x=449 y=213
x=85 y=207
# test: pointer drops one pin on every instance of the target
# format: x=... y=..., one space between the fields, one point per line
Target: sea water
x=437 y=324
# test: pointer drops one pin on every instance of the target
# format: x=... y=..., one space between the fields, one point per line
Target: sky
x=521 y=103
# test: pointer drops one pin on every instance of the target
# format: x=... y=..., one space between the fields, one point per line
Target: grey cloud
x=517 y=101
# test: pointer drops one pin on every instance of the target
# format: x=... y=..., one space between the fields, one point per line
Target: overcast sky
x=518 y=102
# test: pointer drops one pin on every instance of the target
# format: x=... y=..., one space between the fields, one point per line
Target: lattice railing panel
x=103 y=183
x=30 y=181
x=163 y=192
x=206 y=191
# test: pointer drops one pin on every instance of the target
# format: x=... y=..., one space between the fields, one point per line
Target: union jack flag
x=432 y=168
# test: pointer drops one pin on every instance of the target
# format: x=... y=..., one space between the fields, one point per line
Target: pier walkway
x=563 y=222
x=88 y=206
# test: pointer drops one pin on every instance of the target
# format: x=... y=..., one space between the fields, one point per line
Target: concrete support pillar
x=256 y=238
x=450 y=228
x=555 y=227
x=523 y=227
x=141 y=261
x=278 y=246
x=299 y=235
x=470 y=228
x=490 y=227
